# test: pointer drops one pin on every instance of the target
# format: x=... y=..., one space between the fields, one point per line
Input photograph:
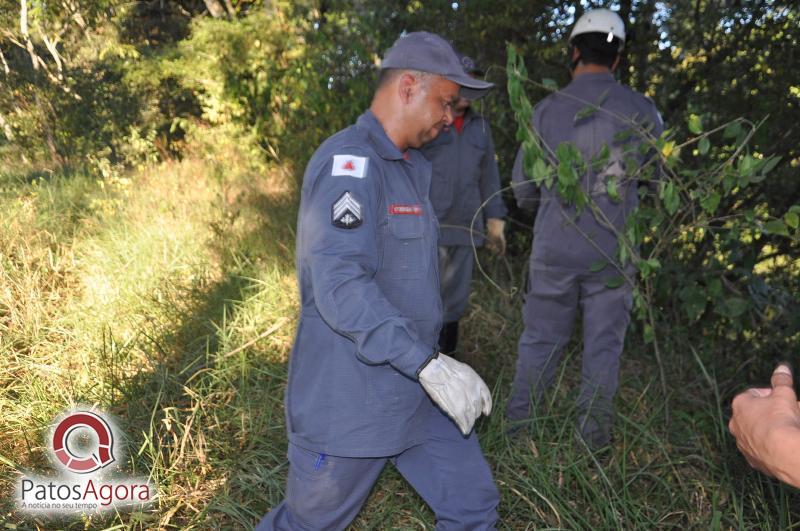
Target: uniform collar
x=594 y=77
x=383 y=145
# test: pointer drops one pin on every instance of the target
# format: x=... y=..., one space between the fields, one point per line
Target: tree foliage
x=112 y=83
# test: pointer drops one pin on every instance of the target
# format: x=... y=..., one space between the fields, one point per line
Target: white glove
x=457 y=389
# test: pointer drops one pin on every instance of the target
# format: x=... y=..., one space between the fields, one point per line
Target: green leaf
x=624 y=253
x=540 y=170
x=728 y=182
x=566 y=174
x=550 y=83
x=694 y=301
x=704 y=145
x=564 y=153
x=584 y=113
x=792 y=219
x=733 y=307
x=615 y=282
x=770 y=164
x=695 y=124
x=732 y=130
x=623 y=135
x=746 y=165
x=611 y=189
x=648 y=333
x=715 y=288
x=710 y=202
x=776 y=226
x=646 y=267
x=598 y=266
x=601 y=160
x=669 y=195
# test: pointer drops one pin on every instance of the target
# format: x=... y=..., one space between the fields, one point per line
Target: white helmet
x=600 y=21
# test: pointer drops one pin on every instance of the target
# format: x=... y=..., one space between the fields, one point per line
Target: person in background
x=574 y=259
x=465 y=182
x=366 y=384
x=766 y=426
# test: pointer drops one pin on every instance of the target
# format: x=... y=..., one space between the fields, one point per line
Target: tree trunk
x=216 y=8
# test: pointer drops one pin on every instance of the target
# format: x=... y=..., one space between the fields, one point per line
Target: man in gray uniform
x=464 y=177
x=366 y=383
x=567 y=245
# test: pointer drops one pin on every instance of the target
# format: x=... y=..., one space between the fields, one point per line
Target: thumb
x=782 y=376
x=782 y=384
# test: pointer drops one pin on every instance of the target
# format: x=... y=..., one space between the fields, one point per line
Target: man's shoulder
x=634 y=95
x=548 y=100
x=347 y=153
x=350 y=138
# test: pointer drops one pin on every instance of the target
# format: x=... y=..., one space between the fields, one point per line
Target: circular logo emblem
x=99 y=451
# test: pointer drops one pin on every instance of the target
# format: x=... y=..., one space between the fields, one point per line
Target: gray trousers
x=455 y=275
x=551 y=303
x=448 y=471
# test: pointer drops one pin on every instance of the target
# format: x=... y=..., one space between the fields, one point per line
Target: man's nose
x=448 y=115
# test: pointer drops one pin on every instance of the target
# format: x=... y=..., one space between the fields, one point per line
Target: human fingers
x=760 y=392
x=782 y=376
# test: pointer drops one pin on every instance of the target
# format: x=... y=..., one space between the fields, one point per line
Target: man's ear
x=407 y=86
x=576 y=55
x=615 y=64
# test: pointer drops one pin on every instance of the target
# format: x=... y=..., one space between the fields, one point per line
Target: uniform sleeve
x=490 y=181
x=526 y=192
x=343 y=261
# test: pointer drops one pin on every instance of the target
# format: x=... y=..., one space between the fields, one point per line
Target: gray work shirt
x=369 y=287
x=464 y=176
x=561 y=237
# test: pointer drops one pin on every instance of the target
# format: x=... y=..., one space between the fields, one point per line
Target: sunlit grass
x=171 y=302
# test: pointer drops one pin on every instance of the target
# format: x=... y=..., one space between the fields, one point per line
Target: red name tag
x=406 y=210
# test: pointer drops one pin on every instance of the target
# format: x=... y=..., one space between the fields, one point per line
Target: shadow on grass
x=207 y=420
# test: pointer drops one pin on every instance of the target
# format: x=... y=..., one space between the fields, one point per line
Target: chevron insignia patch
x=346 y=212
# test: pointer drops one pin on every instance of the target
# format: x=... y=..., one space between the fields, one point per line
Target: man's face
x=432 y=109
x=461 y=107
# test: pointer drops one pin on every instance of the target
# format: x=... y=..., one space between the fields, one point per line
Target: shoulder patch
x=346 y=212
x=350 y=165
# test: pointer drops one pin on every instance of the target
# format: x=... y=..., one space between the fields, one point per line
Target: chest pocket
x=405 y=255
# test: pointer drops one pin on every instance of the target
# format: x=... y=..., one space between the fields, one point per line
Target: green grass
x=170 y=301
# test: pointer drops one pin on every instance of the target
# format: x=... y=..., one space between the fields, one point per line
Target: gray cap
x=428 y=52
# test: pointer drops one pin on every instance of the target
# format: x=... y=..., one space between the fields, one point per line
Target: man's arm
x=343 y=259
x=766 y=425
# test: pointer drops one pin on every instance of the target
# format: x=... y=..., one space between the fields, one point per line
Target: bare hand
x=496 y=239
x=765 y=423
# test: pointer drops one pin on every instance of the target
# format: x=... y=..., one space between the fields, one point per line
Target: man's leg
x=322 y=491
x=452 y=476
x=455 y=275
x=548 y=315
x=606 y=314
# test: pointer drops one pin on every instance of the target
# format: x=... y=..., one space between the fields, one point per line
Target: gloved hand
x=457 y=389
x=496 y=240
